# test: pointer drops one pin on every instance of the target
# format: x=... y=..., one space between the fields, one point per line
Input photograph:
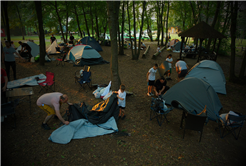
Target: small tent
x=173 y=41
x=177 y=46
x=194 y=94
x=84 y=55
x=52 y=48
x=91 y=42
x=34 y=47
x=210 y=72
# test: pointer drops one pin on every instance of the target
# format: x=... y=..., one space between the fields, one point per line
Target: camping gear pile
x=88 y=122
x=103 y=92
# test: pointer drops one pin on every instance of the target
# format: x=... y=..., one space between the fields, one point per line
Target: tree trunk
x=5 y=8
x=66 y=19
x=158 y=23
x=77 y=18
x=141 y=29
x=167 y=23
x=134 y=57
x=113 y=11
x=162 y=27
x=149 y=29
x=18 y=13
x=119 y=41
x=59 y=20
x=129 y=23
x=243 y=66
x=193 y=13
x=213 y=24
x=38 y=5
x=87 y=28
x=122 y=29
x=92 y=22
x=234 y=9
x=224 y=26
x=97 y=30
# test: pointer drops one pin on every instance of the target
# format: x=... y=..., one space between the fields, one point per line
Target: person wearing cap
x=9 y=59
x=55 y=100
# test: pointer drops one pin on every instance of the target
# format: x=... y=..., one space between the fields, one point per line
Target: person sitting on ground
x=170 y=62
x=151 y=79
x=48 y=100
x=122 y=101
x=25 y=50
x=9 y=59
x=181 y=69
x=52 y=39
x=160 y=86
x=4 y=82
x=143 y=46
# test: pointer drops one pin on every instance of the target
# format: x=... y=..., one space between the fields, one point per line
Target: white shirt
x=158 y=49
x=169 y=60
x=152 y=72
x=122 y=103
x=181 y=65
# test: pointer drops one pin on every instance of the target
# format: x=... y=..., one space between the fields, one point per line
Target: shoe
x=151 y=94
x=123 y=117
x=148 y=94
x=45 y=126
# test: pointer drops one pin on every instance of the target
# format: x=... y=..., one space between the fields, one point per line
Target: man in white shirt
x=181 y=69
x=151 y=79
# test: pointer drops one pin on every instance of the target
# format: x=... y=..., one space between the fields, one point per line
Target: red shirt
x=3 y=74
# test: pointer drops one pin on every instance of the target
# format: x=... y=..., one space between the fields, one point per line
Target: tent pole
x=181 y=47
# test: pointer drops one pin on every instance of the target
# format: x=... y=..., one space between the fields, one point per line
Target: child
x=151 y=79
x=122 y=101
x=170 y=61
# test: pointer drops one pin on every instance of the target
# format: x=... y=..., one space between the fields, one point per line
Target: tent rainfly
x=91 y=42
x=194 y=94
x=210 y=72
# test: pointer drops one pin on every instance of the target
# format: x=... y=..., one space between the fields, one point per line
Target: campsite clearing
x=149 y=143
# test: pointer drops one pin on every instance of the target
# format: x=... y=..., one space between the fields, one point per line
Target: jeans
x=13 y=65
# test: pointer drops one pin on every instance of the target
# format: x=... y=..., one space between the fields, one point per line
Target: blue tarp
x=82 y=128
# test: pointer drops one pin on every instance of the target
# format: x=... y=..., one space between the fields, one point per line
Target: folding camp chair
x=84 y=78
x=60 y=59
x=48 y=83
x=192 y=120
x=158 y=110
x=79 y=73
x=231 y=125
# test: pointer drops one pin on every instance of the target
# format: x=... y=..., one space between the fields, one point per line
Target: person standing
x=71 y=39
x=181 y=69
x=9 y=59
x=122 y=101
x=48 y=100
x=52 y=39
x=170 y=62
x=151 y=79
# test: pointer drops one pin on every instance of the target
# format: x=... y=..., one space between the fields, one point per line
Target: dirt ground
x=149 y=143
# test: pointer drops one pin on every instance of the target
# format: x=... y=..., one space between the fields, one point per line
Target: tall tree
x=162 y=26
x=86 y=24
x=21 y=24
x=42 y=49
x=121 y=52
x=5 y=9
x=60 y=21
x=167 y=23
x=141 y=29
x=134 y=56
x=77 y=19
x=129 y=23
x=113 y=12
x=234 y=9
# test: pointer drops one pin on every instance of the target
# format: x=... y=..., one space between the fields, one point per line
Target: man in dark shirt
x=160 y=86
x=52 y=39
x=71 y=39
x=25 y=50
